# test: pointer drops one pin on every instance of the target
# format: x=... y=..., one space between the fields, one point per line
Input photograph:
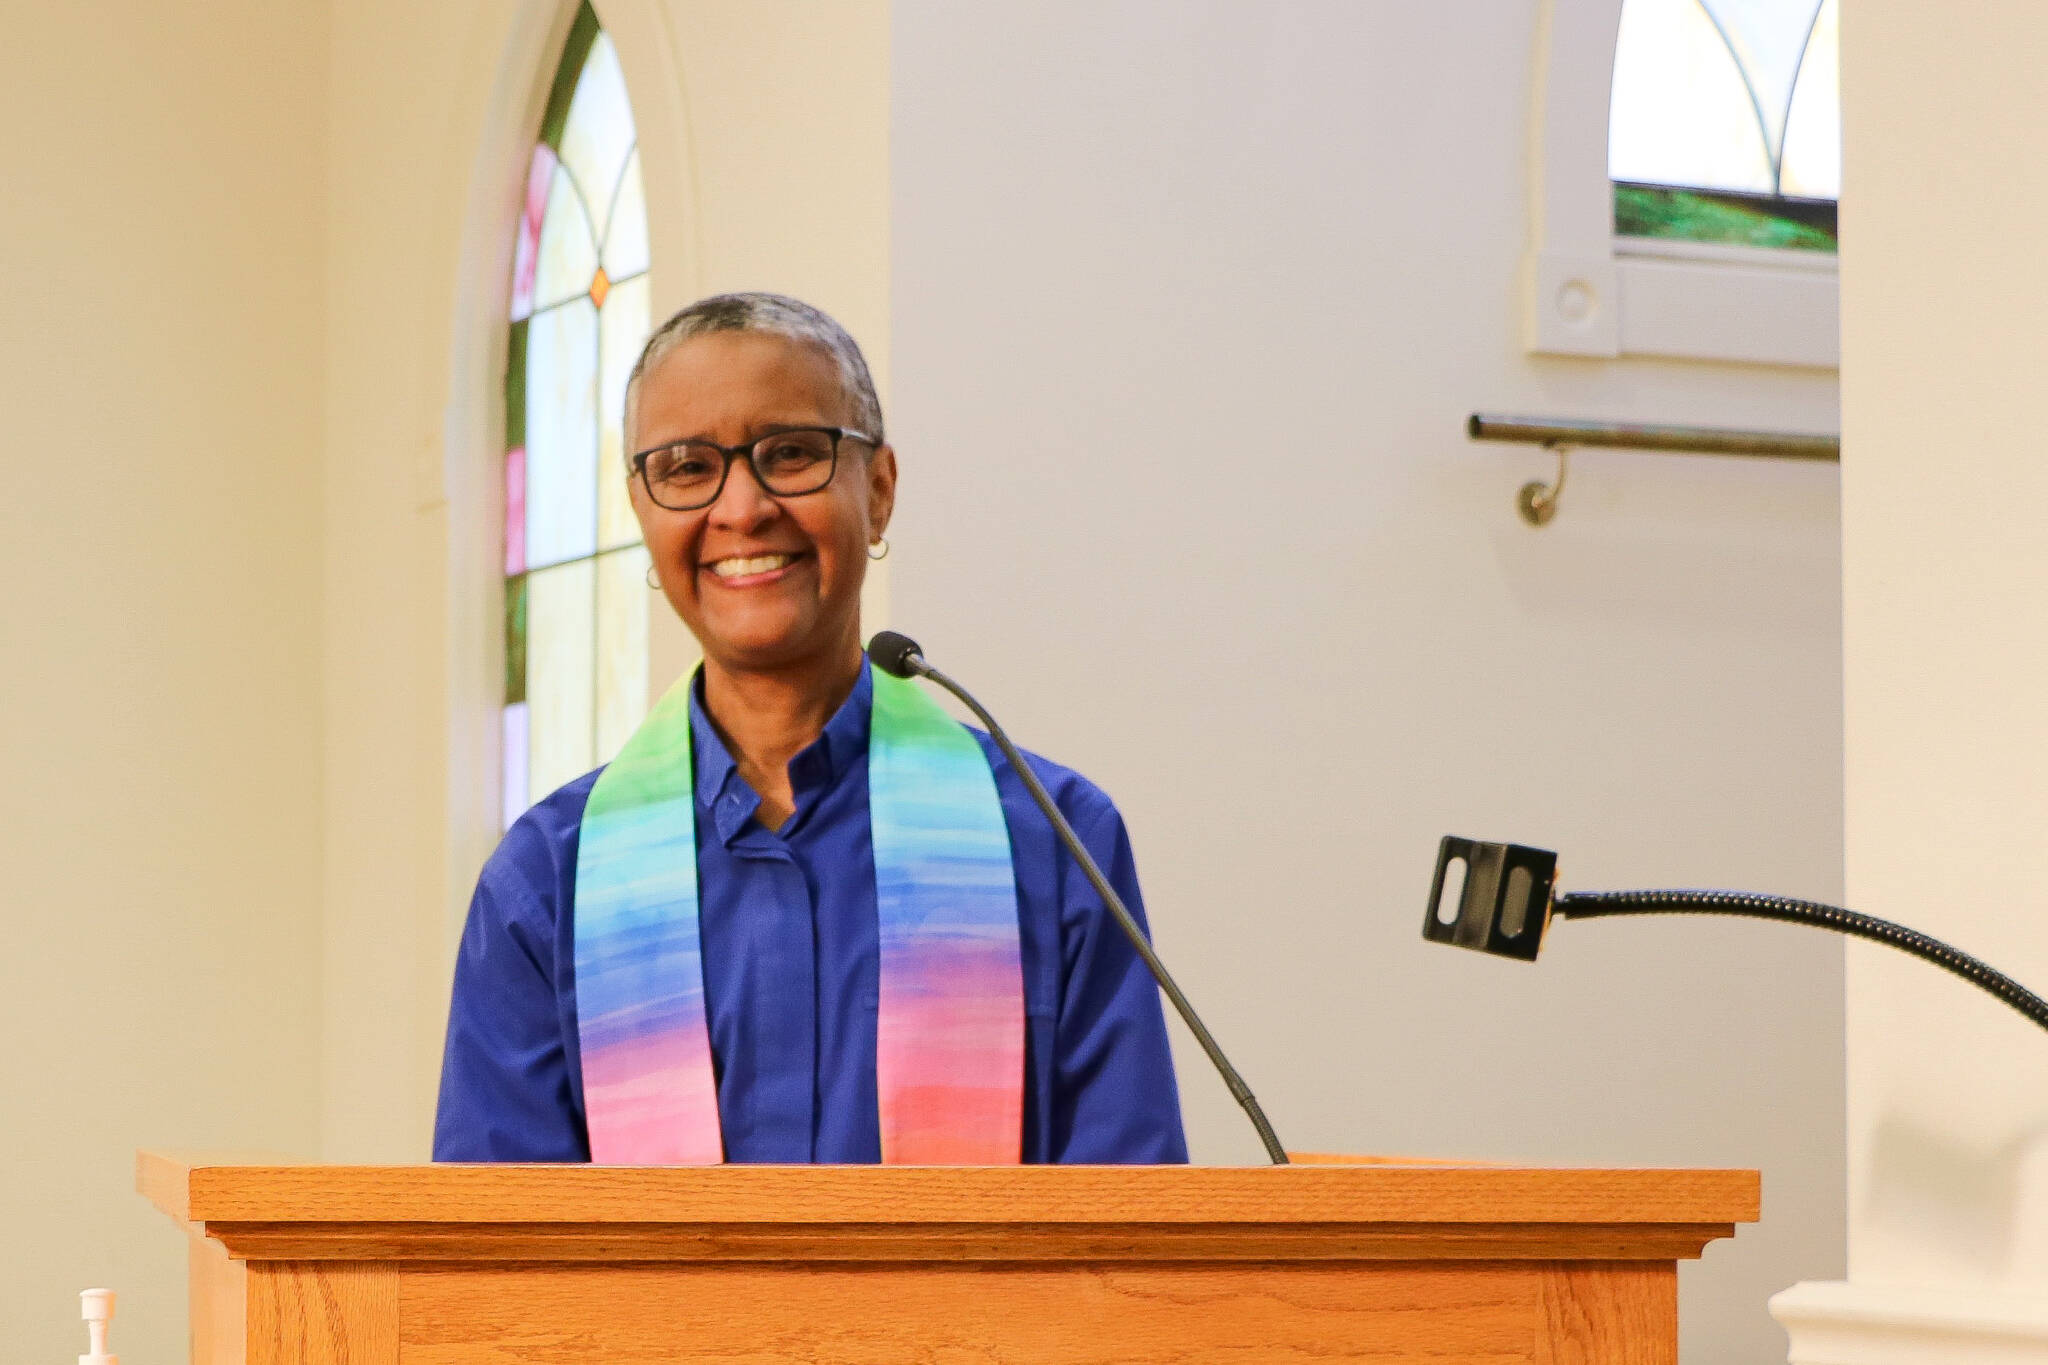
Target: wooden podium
x=449 y=1265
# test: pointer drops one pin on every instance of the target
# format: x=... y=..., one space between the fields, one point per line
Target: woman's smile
x=751 y=571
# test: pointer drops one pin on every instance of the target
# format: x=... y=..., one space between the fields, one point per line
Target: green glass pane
x=582 y=33
x=598 y=136
x=515 y=639
x=515 y=387
x=1738 y=220
x=561 y=648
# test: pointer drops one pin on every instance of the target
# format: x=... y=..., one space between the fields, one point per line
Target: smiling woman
x=803 y=915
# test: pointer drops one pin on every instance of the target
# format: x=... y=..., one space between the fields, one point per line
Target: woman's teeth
x=740 y=568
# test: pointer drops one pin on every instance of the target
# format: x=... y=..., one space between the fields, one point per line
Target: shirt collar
x=725 y=794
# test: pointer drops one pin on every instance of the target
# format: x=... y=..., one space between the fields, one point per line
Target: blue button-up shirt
x=791 y=973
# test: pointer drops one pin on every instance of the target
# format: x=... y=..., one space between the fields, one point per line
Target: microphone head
x=897 y=655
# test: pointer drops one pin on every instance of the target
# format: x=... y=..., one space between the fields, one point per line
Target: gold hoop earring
x=884 y=543
x=652 y=581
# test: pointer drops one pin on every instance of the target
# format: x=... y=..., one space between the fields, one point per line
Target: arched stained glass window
x=575 y=589
x=1726 y=122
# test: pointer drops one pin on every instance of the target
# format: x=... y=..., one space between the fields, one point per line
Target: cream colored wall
x=161 y=380
x=1946 y=658
x=765 y=133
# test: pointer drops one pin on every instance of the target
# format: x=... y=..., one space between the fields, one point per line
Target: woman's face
x=798 y=599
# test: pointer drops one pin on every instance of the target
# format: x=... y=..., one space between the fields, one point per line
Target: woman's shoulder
x=536 y=857
x=1079 y=799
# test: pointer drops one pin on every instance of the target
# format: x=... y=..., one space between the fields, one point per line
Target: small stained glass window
x=1726 y=122
x=575 y=590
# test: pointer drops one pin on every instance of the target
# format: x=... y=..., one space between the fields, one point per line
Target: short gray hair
x=775 y=315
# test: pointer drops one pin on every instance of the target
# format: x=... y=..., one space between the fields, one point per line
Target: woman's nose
x=743 y=505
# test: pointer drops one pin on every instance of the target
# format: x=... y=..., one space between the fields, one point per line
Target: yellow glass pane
x=1813 y=133
x=568 y=247
x=1681 y=114
x=625 y=241
x=561 y=648
x=599 y=133
x=622 y=331
x=561 y=433
x=623 y=600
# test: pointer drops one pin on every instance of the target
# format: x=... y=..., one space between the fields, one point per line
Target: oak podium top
x=1378 y=1210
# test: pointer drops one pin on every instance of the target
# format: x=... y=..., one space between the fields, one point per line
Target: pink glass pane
x=512 y=731
x=515 y=512
x=526 y=253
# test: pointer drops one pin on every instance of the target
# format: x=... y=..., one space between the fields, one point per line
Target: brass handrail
x=1538 y=501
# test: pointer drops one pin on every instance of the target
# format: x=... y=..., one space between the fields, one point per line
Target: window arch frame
x=1587 y=293
x=463 y=470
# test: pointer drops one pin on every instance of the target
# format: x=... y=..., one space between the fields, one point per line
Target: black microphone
x=1502 y=898
x=899 y=656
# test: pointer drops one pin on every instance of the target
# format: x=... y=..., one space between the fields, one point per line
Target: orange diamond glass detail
x=600 y=285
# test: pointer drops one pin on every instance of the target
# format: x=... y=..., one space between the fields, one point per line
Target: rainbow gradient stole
x=949 y=1055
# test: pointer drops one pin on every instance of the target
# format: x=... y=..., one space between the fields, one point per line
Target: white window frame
x=1589 y=293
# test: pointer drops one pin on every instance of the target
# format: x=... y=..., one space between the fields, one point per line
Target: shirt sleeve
x=1115 y=1100
x=505 y=1092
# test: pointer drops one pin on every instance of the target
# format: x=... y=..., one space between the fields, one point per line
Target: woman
x=803 y=916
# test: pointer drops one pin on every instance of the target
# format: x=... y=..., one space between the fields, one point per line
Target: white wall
x=160 y=683
x=1189 y=304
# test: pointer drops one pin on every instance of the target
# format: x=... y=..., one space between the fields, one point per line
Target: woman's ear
x=881 y=474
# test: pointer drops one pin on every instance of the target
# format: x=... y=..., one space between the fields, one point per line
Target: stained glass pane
x=516 y=790
x=1813 y=134
x=622 y=603
x=1768 y=38
x=540 y=176
x=1724 y=216
x=583 y=32
x=561 y=645
x=561 y=433
x=625 y=244
x=1682 y=114
x=622 y=330
x=515 y=639
x=568 y=250
x=599 y=132
x=515 y=511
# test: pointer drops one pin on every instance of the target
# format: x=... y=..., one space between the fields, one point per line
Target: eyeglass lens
x=690 y=475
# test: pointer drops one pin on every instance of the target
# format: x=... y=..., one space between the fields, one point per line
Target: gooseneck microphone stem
x=1593 y=904
x=909 y=660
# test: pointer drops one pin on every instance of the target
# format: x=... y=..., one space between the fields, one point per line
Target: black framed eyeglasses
x=689 y=475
